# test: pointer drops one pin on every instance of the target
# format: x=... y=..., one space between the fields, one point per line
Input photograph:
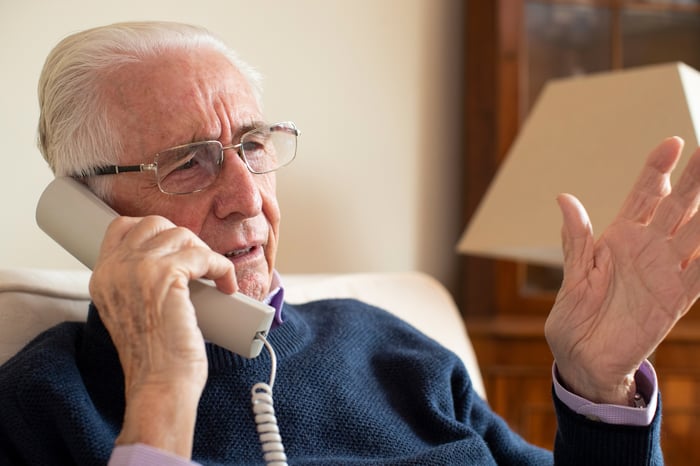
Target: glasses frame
x=153 y=166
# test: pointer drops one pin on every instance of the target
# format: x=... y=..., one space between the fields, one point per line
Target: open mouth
x=239 y=252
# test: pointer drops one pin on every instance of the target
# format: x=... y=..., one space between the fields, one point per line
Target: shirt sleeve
x=145 y=455
x=647 y=386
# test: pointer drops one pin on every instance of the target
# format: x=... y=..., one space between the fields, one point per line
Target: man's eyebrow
x=248 y=127
x=236 y=133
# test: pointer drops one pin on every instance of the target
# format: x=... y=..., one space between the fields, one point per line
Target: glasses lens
x=267 y=149
x=189 y=168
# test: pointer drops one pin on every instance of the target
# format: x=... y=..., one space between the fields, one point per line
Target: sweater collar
x=285 y=339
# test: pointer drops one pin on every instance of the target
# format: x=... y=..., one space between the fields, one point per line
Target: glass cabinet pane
x=563 y=40
x=655 y=36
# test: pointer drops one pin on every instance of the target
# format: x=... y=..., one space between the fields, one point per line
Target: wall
x=374 y=85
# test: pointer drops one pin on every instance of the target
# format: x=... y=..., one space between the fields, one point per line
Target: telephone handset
x=77 y=220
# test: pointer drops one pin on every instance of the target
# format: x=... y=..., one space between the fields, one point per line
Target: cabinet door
x=565 y=39
x=513 y=48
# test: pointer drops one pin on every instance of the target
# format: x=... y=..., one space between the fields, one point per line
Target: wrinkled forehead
x=178 y=97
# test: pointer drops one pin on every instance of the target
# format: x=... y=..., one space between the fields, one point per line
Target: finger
x=157 y=234
x=686 y=240
x=199 y=261
x=116 y=231
x=222 y=272
x=653 y=182
x=577 y=236
x=180 y=248
x=174 y=248
x=682 y=203
x=147 y=229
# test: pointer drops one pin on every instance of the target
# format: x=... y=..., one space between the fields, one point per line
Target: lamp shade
x=588 y=136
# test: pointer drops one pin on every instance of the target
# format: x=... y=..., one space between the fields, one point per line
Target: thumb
x=576 y=234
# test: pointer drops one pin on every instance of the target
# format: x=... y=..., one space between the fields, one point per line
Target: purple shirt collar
x=275 y=299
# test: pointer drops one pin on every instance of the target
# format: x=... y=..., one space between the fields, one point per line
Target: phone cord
x=265 y=420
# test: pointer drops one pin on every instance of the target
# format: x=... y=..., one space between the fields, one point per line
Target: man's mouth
x=239 y=252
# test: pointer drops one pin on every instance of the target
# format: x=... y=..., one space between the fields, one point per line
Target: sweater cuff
x=583 y=441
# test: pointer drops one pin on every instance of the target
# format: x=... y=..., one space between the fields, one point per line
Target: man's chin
x=254 y=284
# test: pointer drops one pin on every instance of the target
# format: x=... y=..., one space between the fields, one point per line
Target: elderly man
x=162 y=121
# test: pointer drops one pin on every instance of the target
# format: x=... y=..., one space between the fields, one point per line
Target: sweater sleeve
x=579 y=440
x=583 y=441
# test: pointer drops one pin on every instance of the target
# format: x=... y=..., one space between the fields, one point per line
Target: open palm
x=623 y=293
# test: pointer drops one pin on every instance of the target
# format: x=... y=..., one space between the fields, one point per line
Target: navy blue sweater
x=355 y=385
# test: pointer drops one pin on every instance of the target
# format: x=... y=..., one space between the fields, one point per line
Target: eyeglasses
x=190 y=168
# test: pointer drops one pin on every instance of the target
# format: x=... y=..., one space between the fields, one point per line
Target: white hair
x=75 y=132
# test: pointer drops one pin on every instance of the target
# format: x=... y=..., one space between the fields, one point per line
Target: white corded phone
x=77 y=220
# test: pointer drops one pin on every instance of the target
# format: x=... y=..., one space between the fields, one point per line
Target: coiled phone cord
x=265 y=420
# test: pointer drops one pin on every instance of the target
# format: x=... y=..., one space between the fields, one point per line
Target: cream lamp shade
x=588 y=136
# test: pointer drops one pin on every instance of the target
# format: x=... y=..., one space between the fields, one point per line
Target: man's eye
x=253 y=146
x=191 y=163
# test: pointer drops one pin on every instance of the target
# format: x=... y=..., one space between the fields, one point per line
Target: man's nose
x=238 y=191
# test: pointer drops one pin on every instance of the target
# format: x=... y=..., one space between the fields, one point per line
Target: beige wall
x=374 y=86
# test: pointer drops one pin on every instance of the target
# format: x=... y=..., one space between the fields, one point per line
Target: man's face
x=188 y=96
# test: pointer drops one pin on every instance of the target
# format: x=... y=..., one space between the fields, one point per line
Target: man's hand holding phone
x=140 y=287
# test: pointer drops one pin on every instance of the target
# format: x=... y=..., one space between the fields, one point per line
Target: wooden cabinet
x=678 y=368
x=512 y=48
x=516 y=366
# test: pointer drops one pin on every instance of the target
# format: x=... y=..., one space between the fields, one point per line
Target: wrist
x=161 y=417
x=647 y=386
x=621 y=393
